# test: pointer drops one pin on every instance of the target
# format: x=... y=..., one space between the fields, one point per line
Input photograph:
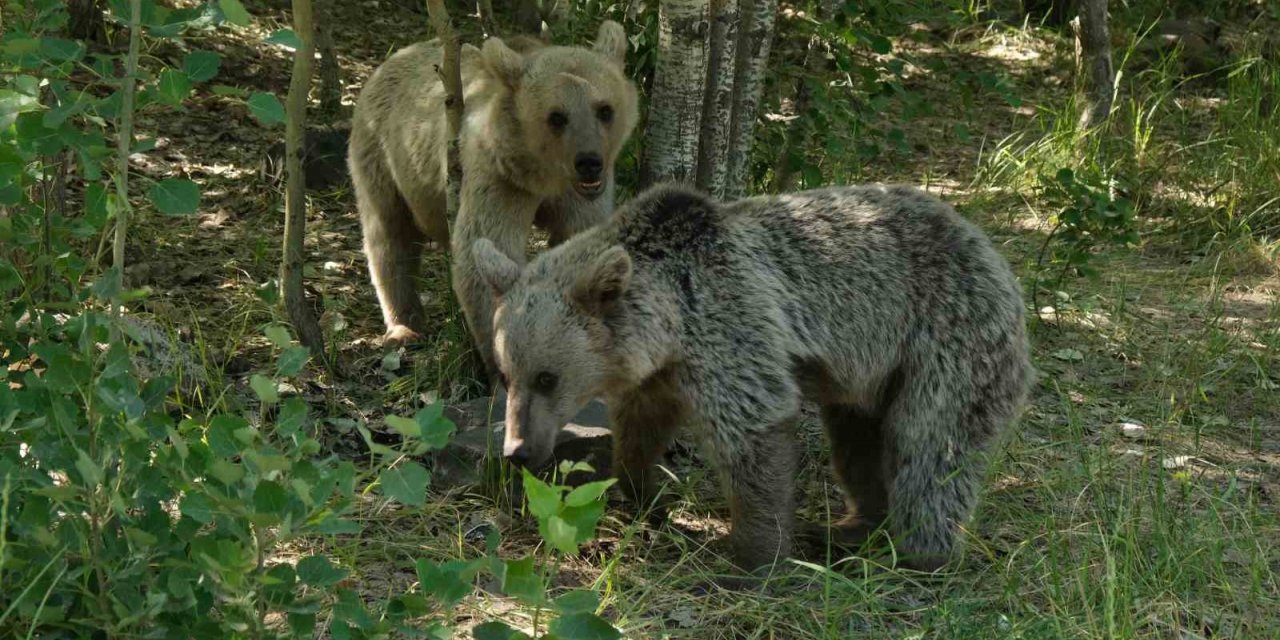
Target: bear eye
x=605 y=113
x=545 y=382
x=557 y=120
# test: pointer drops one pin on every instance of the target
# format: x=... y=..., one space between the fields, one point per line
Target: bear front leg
x=762 y=497
x=644 y=423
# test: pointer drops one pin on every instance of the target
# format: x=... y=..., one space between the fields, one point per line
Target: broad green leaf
x=583 y=519
x=174 y=86
x=521 y=580
x=442 y=582
x=436 y=428
x=544 y=500
x=285 y=38
x=583 y=626
x=292 y=360
x=235 y=12
x=317 y=571
x=279 y=336
x=580 y=601
x=269 y=498
x=406 y=484
x=222 y=435
x=265 y=388
x=562 y=535
x=201 y=65
x=292 y=417
x=89 y=470
x=198 y=507
x=404 y=426
x=61 y=49
x=495 y=630
x=588 y=493
x=175 y=196
x=266 y=108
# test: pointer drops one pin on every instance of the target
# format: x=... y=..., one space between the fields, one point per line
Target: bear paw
x=400 y=335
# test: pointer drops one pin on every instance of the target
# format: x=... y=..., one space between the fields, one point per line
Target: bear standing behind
x=880 y=304
x=541 y=131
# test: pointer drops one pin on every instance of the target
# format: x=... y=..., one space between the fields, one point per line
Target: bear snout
x=590 y=167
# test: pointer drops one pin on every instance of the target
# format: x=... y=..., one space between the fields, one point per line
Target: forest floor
x=1136 y=498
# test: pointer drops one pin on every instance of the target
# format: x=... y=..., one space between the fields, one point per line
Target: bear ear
x=600 y=288
x=495 y=268
x=611 y=42
x=502 y=62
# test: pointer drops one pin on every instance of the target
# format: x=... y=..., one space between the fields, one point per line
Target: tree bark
x=295 y=218
x=674 y=123
x=330 y=70
x=450 y=73
x=1093 y=38
x=717 y=105
x=488 y=22
x=87 y=21
x=755 y=38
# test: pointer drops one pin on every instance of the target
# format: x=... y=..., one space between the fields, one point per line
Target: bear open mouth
x=589 y=189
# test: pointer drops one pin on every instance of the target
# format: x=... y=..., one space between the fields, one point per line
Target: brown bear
x=541 y=130
x=879 y=304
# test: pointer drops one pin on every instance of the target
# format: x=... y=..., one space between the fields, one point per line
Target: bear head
x=551 y=337
x=569 y=108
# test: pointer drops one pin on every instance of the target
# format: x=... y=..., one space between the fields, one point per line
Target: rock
x=478 y=443
x=1133 y=430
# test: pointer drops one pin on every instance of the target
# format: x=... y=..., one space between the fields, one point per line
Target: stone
x=478 y=443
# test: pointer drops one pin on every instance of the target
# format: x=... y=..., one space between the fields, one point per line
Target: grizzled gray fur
x=880 y=304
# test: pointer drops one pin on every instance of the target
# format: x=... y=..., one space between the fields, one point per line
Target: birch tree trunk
x=717 y=105
x=1093 y=40
x=675 y=107
x=755 y=37
x=295 y=218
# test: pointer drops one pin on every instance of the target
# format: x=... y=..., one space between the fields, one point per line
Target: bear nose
x=589 y=166
x=518 y=455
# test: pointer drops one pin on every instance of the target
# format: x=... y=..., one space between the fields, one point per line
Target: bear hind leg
x=393 y=245
x=858 y=462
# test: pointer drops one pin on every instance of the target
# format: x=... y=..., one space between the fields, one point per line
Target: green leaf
x=235 y=12
x=61 y=49
x=266 y=108
x=317 y=571
x=588 y=493
x=544 y=500
x=89 y=470
x=201 y=65
x=406 y=484
x=269 y=498
x=279 y=336
x=174 y=86
x=265 y=388
x=404 y=426
x=285 y=38
x=175 y=196
x=198 y=507
x=580 y=601
x=561 y=535
x=520 y=580
x=442 y=582
x=583 y=626
x=436 y=428
x=292 y=360
x=495 y=630
x=584 y=519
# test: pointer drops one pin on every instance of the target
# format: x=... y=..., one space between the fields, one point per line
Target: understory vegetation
x=174 y=464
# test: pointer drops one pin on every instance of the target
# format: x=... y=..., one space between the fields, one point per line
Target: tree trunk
x=717 y=105
x=124 y=147
x=797 y=136
x=295 y=217
x=1093 y=46
x=450 y=73
x=755 y=37
x=675 y=110
x=330 y=71
x=488 y=22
